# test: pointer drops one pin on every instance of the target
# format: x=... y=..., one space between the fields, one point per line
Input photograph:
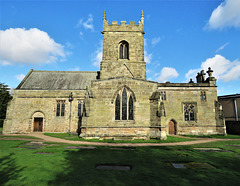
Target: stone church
x=116 y=102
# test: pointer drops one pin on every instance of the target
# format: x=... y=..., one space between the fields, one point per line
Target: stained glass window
x=124 y=105
x=117 y=108
x=189 y=112
x=124 y=109
x=130 y=108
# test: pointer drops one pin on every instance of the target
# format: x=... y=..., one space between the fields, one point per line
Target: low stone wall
x=205 y=130
x=233 y=127
x=115 y=132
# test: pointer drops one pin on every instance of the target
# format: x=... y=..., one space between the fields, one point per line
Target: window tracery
x=189 y=112
x=124 y=105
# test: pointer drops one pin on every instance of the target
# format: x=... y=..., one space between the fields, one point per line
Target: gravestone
x=114 y=167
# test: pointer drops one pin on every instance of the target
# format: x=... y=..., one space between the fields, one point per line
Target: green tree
x=5 y=97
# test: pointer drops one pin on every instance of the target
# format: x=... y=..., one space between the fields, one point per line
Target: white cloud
x=33 y=46
x=222 y=47
x=147 y=57
x=97 y=55
x=88 y=24
x=166 y=74
x=20 y=77
x=156 y=40
x=223 y=69
x=227 y=14
x=191 y=74
x=74 y=69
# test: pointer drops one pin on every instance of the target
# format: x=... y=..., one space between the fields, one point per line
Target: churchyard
x=32 y=162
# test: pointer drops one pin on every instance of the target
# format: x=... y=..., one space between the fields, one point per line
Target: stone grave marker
x=179 y=166
x=80 y=147
x=114 y=167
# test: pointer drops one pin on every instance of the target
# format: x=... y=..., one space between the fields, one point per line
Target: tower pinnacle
x=142 y=17
x=104 y=15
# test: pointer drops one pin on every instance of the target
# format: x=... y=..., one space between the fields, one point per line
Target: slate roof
x=57 y=80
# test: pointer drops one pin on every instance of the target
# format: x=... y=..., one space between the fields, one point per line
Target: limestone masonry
x=117 y=102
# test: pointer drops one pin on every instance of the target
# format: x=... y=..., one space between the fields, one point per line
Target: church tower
x=123 y=50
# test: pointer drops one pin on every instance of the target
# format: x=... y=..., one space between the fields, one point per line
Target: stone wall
x=177 y=95
x=112 y=36
x=102 y=107
x=26 y=103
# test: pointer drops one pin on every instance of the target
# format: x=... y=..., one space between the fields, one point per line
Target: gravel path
x=45 y=138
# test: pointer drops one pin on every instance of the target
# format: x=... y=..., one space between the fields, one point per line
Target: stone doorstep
x=80 y=147
x=114 y=167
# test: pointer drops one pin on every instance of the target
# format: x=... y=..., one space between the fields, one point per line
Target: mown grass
x=170 y=139
x=229 y=136
x=150 y=165
x=18 y=136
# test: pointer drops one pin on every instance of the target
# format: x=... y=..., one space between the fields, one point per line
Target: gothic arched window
x=117 y=108
x=123 y=50
x=124 y=105
x=189 y=112
x=130 y=108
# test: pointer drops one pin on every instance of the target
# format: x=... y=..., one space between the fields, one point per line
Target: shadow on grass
x=8 y=169
x=150 y=166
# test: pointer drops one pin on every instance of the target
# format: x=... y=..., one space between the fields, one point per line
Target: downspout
x=236 y=110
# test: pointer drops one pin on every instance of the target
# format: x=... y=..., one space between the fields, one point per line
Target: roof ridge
x=65 y=71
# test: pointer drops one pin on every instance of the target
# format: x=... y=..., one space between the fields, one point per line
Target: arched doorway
x=172 y=128
x=38 y=118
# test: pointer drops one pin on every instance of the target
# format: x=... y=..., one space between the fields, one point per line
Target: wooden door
x=171 y=128
x=38 y=123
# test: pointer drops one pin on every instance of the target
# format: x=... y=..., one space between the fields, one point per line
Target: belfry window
x=123 y=50
x=60 y=108
x=189 y=112
x=124 y=109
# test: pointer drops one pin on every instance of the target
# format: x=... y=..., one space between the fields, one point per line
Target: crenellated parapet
x=123 y=26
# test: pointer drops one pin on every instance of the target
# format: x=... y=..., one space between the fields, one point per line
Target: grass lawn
x=19 y=136
x=229 y=136
x=150 y=165
x=170 y=139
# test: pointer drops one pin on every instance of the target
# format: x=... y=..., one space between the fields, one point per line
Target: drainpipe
x=236 y=110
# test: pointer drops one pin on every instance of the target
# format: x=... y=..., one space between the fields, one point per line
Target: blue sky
x=182 y=37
